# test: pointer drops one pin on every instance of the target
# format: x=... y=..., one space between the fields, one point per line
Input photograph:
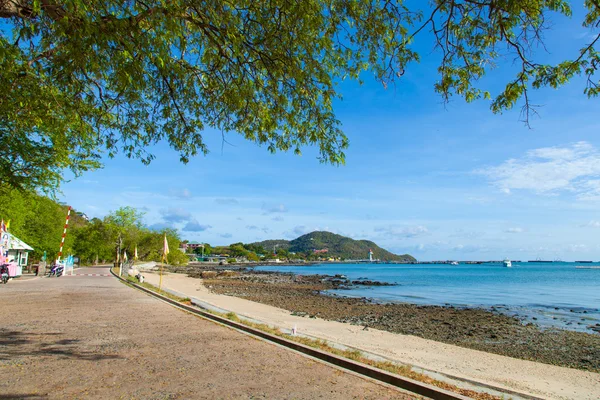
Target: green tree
x=151 y=246
x=206 y=251
x=39 y=222
x=255 y=248
x=94 y=242
x=126 y=224
x=252 y=257
x=81 y=76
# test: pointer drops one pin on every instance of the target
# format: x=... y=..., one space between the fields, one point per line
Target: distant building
x=16 y=253
x=83 y=215
x=323 y=251
x=189 y=246
x=194 y=245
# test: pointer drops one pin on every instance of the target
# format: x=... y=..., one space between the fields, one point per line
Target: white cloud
x=256 y=228
x=470 y=248
x=550 y=171
x=195 y=226
x=576 y=248
x=462 y=233
x=297 y=231
x=227 y=201
x=273 y=208
x=176 y=215
x=277 y=219
x=592 y=224
x=514 y=230
x=180 y=193
x=400 y=232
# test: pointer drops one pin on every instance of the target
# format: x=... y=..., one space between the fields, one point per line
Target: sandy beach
x=528 y=377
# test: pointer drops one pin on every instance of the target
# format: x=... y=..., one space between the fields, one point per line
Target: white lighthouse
x=370 y=255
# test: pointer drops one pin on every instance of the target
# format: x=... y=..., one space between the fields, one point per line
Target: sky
x=438 y=181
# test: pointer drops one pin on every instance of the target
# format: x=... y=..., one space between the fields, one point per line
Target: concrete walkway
x=90 y=336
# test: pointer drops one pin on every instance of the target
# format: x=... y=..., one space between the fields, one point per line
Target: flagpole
x=160 y=274
x=164 y=259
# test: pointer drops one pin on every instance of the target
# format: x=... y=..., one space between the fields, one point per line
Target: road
x=90 y=336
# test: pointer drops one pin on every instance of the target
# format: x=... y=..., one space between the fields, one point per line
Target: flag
x=165 y=247
x=2 y=226
x=7 y=225
x=125 y=256
x=135 y=256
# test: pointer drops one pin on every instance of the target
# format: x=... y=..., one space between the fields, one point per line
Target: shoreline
x=536 y=379
x=473 y=328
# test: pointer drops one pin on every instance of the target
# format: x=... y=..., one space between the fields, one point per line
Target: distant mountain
x=336 y=245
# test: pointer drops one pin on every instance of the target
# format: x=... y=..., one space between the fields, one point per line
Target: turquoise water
x=549 y=294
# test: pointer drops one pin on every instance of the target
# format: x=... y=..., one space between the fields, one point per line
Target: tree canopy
x=83 y=77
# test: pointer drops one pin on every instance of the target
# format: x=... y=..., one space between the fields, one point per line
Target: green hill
x=337 y=246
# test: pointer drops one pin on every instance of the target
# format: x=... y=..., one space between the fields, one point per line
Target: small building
x=194 y=245
x=191 y=246
x=16 y=253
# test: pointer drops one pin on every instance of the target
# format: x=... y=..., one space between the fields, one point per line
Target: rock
x=299 y=313
x=371 y=283
x=228 y=273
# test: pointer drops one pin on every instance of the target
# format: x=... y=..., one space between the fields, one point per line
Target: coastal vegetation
x=39 y=222
x=331 y=245
x=86 y=78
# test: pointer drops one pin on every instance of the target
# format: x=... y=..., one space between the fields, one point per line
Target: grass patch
x=352 y=354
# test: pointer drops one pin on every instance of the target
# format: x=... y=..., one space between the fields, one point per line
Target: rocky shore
x=478 y=329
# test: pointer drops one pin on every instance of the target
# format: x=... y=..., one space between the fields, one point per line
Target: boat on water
x=453 y=262
x=507 y=263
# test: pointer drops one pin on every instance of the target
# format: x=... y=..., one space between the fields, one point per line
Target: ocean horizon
x=551 y=295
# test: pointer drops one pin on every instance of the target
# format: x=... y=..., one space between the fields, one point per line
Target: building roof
x=14 y=243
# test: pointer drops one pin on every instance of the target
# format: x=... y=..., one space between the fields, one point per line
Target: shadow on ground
x=14 y=344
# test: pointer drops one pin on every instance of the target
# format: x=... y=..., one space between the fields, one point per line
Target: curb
x=401 y=382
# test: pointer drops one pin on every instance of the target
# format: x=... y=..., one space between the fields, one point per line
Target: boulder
x=208 y=274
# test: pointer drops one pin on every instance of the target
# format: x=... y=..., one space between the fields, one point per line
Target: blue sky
x=437 y=181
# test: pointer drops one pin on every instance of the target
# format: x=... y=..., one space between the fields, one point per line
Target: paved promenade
x=89 y=336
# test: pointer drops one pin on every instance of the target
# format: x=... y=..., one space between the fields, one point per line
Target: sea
x=551 y=295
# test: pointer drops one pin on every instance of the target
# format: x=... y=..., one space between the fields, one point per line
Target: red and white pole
x=64 y=235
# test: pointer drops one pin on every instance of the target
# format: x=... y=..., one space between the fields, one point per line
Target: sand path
x=533 y=378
